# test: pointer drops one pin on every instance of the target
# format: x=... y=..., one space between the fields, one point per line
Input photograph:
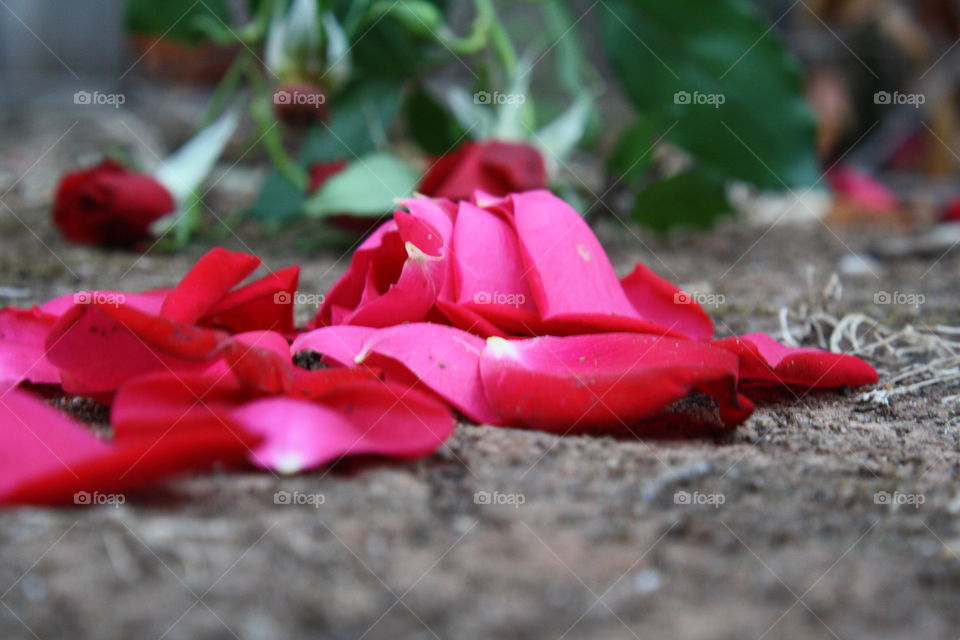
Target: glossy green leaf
x=279 y=200
x=690 y=199
x=633 y=153
x=174 y=19
x=721 y=75
x=430 y=125
x=361 y=119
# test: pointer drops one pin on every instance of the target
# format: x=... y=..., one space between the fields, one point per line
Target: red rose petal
x=264 y=304
x=46 y=458
x=161 y=402
x=658 y=300
x=766 y=362
x=99 y=347
x=492 y=166
x=210 y=279
x=260 y=360
x=422 y=275
x=603 y=381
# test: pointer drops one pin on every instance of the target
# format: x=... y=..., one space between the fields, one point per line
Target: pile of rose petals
x=503 y=309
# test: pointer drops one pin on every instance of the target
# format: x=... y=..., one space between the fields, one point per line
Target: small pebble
x=858 y=264
x=647 y=581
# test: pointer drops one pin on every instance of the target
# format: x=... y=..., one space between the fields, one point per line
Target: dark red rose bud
x=109 y=206
x=496 y=167
x=300 y=105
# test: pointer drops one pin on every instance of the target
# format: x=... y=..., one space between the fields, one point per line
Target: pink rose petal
x=489 y=277
x=443 y=359
x=353 y=419
x=339 y=344
x=435 y=357
x=23 y=334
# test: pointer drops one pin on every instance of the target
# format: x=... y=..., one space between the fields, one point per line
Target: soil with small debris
x=822 y=516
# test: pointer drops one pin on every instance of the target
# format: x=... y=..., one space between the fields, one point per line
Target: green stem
x=226 y=88
x=479 y=31
x=262 y=113
x=501 y=42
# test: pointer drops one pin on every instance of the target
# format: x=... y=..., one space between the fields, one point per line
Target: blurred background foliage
x=656 y=108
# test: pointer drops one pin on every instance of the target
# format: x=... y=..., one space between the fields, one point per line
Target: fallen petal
x=352 y=419
x=210 y=279
x=766 y=362
x=47 y=458
x=604 y=381
x=23 y=334
x=438 y=358
x=658 y=300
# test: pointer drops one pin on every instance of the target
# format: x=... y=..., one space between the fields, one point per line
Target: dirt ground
x=785 y=534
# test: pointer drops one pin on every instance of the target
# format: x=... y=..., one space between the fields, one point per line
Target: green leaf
x=361 y=118
x=633 y=153
x=690 y=199
x=387 y=49
x=174 y=19
x=474 y=118
x=559 y=138
x=279 y=200
x=718 y=72
x=185 y=169
x=430 y=125
x=367 y=187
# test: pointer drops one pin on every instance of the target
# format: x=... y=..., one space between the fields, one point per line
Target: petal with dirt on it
x=100 y=347
x=766 y=362
x=260 y=360
x=603 y=381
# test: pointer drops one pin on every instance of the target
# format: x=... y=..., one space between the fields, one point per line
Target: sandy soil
x=784 y=536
